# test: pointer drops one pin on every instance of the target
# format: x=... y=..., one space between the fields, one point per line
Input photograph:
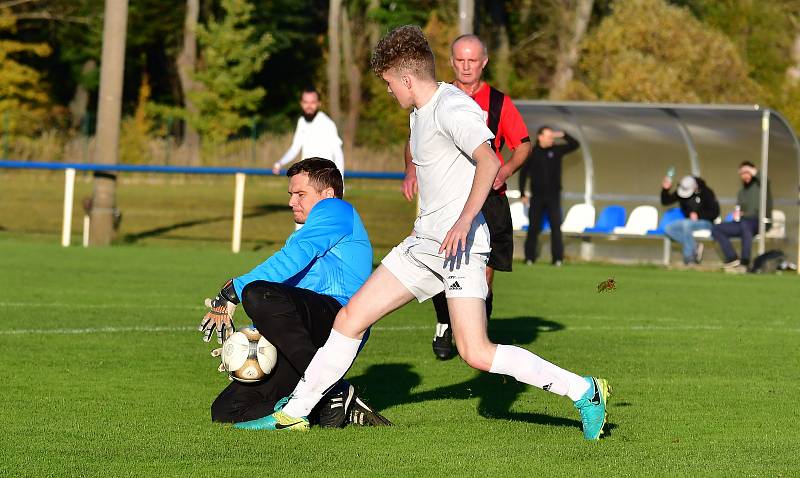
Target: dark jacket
x=749 y=198
x=703 y=202
x=543 y=166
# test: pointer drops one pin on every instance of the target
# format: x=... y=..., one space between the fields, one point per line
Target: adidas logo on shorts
x=455 y=286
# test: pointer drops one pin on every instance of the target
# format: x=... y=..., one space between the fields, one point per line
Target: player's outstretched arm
x=293 y=151
x=220 y=315
x=486 y=169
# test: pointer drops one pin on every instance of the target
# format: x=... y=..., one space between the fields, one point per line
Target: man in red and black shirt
x=468 y=57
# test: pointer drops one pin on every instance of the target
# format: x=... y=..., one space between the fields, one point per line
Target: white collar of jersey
x=432 y=100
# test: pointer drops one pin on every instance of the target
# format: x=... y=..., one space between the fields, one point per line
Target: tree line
x=206 y=71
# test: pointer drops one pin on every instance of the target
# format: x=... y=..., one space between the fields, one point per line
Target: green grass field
x=104 y=374
x=189 y=211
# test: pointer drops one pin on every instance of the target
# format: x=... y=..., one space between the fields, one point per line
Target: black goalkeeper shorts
x=498 y=217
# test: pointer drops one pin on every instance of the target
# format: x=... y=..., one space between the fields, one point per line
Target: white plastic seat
x=778 y=230
x=519 y=215
x=641 y=220
x=579 y=217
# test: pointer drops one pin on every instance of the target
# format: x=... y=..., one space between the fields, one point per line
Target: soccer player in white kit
x=316 y=135
x=447 y=250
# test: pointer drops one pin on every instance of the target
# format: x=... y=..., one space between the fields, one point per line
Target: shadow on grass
x=387 y=385
x=262 y=210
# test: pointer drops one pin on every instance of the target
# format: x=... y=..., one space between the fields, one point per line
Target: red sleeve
x=512 y=128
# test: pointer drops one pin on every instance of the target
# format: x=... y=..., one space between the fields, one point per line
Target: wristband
x=228 y=292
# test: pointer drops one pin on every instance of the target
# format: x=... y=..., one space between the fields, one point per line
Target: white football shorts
x=417 y=263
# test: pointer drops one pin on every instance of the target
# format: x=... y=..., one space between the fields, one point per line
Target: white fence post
x=87 y=221
x=238 y=206
x=69 y=193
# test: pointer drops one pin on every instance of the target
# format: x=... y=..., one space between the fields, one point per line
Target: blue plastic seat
x=670 y=215
x=610 y=217
x=545 y=223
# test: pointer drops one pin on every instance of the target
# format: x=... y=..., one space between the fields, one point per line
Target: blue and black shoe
x=592 y=407
x=276 y=421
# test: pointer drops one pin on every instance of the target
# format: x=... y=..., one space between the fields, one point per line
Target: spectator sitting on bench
x=745 y=219
x=699 y=207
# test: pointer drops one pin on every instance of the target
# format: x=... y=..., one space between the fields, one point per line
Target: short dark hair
x=322 y=174
x=405 y=49
x=747 y=163
x=311 y=89
x=541 y=129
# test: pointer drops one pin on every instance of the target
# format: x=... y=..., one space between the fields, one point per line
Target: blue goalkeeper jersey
x=331 y=254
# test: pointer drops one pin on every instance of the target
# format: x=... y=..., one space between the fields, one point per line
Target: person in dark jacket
x=745 y=219
x=543 y=166
x=699 y=207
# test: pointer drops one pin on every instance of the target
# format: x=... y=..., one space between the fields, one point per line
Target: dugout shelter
x=627 y=148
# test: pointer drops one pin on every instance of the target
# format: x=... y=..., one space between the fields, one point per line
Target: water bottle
x=737 y=213
x=671 y=172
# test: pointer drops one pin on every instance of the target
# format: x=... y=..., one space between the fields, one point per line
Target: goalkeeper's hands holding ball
x=220 y=315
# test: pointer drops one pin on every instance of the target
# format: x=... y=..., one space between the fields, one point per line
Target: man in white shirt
x=447 y=251
x=469 y=57
x=316 y=135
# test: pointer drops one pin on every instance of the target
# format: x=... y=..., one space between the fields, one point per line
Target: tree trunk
x=352 y=48
x=80 y=102
x=112 y=67
x=793 y=71
x=334 y=60
x=373 y=27
x=502 y=55
x=186 y=63
x=525 y=11
x=569 y=50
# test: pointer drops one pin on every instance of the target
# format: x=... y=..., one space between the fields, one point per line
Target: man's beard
x=309 y=116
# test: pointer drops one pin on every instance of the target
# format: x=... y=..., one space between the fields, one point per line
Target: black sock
x=440 y=305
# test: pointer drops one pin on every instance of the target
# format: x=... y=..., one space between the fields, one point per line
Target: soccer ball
x=247 y=356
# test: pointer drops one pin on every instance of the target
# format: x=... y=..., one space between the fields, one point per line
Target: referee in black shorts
x=468 y=57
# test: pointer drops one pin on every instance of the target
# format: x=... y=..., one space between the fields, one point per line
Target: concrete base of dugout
x=619 y=249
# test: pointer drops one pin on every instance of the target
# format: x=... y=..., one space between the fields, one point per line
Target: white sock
x=329 y=364
x=534 y=370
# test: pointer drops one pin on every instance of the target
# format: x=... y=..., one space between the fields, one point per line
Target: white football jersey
x=444 y=134
x=317 y=138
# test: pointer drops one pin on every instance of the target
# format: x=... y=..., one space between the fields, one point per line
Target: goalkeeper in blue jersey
x=293 y=298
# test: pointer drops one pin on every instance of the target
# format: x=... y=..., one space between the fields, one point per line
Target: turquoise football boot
x=592 y=407
x=277 y=421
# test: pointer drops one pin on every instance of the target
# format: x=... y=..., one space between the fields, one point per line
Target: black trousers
x=297 y=322
x=541 y=205
x=746 y=229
